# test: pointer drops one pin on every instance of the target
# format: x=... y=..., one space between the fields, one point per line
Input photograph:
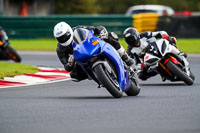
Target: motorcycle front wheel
x=175 y=70
x=13 y=54
x=110 y=83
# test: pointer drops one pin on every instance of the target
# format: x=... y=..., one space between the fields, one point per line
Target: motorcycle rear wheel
x=133 y=90
x=175 y=70
x=109 y=83
x=192 y=75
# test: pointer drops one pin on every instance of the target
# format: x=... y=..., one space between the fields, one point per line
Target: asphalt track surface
x=70 y=107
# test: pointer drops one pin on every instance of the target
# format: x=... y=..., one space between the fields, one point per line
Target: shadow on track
x=77 y=97
x=164 y=84
x=86 y=97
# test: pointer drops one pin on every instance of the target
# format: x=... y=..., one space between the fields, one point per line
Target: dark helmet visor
x=64 y=37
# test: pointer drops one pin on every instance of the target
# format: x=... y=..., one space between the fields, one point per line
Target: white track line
x=48 y=82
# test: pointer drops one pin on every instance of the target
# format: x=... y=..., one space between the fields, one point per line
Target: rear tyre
x=109 y=83
x=13 y=54
x=133 y=90
x=175 y=70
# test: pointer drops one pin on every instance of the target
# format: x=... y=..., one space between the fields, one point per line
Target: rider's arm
x=84 y=26
x=156 y=34
x=164 y=35
x=96 y=29
x=5 y=35
x=64 y=55
x=161 y=34
x=146 y=34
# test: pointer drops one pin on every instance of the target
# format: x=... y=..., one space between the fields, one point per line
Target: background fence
x=180 y=26
x=42 y=27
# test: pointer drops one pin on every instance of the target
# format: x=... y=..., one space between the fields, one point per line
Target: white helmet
x=63 y=33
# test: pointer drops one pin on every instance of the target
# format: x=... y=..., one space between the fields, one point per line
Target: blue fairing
x=87 y=50
x=110 y=52
x=94 y=46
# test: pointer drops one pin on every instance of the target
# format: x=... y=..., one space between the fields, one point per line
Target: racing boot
x=125 y=57
x=183 y=54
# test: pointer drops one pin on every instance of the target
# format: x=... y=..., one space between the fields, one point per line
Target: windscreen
x=80 y=35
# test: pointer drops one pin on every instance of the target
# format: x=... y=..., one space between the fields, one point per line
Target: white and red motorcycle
x=165 y=59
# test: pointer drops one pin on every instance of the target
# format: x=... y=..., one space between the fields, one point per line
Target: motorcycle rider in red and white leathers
x=139 y=44
x=64 y=35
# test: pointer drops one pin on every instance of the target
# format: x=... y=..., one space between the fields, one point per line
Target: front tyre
x=13 y=54
x=108 y=81
x=175 y=70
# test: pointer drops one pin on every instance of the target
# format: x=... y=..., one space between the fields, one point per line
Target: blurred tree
x=110 y=6
x=76 y=7
x=180 y=5
x=118 y=6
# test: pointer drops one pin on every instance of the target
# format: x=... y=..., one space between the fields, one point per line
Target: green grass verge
x=34 y=45
x=185 y=45
x=189 y=45
x=12 y=69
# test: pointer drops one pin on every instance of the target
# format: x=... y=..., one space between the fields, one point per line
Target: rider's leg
x=113 y=40
x=77 y=74
x=144 y=75
x=125 y=57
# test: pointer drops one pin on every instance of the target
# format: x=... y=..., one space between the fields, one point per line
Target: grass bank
x=185 y=45
x=34 y=45
x=12 y=69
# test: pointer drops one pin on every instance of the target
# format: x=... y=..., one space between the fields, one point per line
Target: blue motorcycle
x=101 y=62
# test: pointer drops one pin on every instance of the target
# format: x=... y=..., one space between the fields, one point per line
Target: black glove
x=71 y=62
x=173 y=41
x=103 y=34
